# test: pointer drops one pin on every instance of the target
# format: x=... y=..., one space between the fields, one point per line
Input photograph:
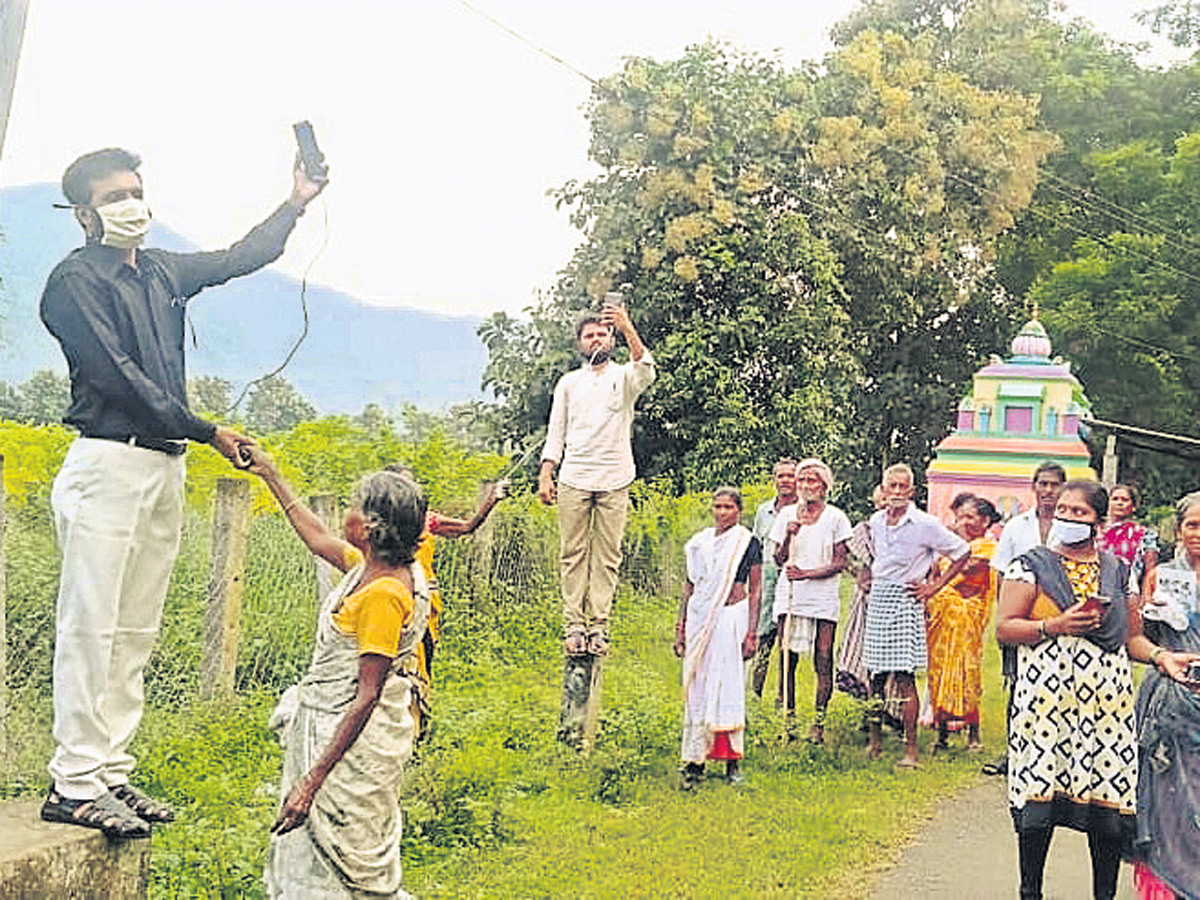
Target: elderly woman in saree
x=1168 y=716
x=1071 y=741
x=713 y=636
x=956 y=618
x=347 y=728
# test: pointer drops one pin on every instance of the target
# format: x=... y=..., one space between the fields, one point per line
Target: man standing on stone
x=118 y=313
x=591 y=419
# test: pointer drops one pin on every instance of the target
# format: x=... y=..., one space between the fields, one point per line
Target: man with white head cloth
x=810 y=550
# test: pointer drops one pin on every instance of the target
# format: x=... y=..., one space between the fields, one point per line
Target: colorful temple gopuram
x=1022 y=410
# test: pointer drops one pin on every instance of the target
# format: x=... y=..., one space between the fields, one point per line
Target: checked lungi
x=895 y=634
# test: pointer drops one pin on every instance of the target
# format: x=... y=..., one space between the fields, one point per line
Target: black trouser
x=1106 y=863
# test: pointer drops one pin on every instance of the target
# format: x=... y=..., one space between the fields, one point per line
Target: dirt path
x=968 y=850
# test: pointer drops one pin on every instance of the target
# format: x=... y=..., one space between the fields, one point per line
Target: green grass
x=496 y=807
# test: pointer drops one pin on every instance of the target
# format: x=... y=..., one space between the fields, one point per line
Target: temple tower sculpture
x=1021 y=411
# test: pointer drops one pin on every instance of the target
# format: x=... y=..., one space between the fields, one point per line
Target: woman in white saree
x=347 y=728
x=712 y=634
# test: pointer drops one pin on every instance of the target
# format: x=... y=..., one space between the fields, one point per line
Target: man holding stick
x=591 y=420
x=118 y=313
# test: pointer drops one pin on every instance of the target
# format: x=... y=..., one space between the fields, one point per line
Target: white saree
x=350 y=844
x=714 y=678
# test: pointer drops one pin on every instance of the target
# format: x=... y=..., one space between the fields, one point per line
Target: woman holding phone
x=1072 y=745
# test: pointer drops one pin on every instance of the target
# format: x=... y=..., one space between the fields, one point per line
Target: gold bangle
x=287 y=506
x=1042 y=633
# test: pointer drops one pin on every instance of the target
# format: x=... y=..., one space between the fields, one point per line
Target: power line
x=529 y=42
x=1080 y=195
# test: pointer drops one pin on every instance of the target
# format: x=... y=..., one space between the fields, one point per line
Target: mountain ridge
x=355 y=352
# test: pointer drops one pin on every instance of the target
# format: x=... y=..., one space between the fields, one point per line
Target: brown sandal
x=575 y=644
x=106 y=813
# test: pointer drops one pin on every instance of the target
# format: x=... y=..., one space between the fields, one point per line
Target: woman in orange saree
x=956 y=619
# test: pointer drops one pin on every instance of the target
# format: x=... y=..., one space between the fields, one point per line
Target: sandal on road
x=106 y=813
x=153 y=811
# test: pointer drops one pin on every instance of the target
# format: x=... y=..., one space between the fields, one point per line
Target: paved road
x=969 y=851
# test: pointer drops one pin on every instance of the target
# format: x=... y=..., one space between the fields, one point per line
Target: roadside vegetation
x=495 y=806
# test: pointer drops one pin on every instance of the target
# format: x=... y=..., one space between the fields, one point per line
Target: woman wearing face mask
x=1072 y=745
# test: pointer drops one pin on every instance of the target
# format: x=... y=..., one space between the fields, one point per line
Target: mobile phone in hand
x=311 y=157
x=1097 y=603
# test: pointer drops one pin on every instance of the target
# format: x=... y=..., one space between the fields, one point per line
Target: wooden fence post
x=226 y=581
x=3 y=633
x=325 y=507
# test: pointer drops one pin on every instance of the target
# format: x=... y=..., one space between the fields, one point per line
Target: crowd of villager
x=1078 y=586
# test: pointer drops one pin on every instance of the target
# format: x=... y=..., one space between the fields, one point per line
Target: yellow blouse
x=376 y=613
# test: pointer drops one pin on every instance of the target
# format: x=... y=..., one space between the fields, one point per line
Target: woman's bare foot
x=874 y=751
x=908 y=762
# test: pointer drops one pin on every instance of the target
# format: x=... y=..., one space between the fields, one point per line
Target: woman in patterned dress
x=956 y=618
x=1072 y=747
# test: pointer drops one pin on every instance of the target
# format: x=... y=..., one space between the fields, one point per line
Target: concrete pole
x=1110 y=474
x=12 y=30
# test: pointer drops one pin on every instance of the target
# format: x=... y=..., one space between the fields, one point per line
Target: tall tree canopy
x=801 y=250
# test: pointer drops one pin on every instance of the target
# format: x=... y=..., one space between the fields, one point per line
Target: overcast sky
x=443 y=133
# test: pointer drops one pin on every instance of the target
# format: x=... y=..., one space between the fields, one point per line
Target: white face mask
x=1064 y=531
x=125 y=223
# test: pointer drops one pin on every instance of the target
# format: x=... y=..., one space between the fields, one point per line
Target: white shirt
x=811 y=548
x=591 y=420
x=1020 y=535
x=905 y=552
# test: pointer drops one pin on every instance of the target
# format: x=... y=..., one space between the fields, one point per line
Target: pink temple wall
x=1010 y=495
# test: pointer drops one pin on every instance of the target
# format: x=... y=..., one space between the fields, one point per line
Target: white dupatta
x=712 y=564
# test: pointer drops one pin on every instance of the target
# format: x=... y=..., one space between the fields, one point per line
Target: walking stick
x=785 y=647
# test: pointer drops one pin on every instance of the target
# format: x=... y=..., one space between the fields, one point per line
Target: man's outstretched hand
x=234 y=446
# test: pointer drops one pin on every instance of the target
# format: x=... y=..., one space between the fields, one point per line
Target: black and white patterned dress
x=1072 y=749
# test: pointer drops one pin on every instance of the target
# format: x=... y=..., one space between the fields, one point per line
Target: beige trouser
x=592 y=523
x=117 y=511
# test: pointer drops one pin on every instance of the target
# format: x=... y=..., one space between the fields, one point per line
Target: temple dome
x=1031 y=342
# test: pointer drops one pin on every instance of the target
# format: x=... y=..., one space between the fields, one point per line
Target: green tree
x=275 y=405
x=42 y=399
x=801 y=249
x=210 y=397
x=1125 y=306
x=374 y=418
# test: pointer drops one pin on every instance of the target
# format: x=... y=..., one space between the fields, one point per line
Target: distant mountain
x=354 y=354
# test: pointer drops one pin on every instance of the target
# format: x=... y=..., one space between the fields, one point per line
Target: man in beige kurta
x=591 y=420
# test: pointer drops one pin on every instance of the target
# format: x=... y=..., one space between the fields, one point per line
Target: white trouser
x=117 y=511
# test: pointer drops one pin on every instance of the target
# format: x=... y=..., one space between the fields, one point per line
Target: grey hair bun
x=394 y=507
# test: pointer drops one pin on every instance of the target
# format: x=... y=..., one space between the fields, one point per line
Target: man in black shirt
x=118 y=313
